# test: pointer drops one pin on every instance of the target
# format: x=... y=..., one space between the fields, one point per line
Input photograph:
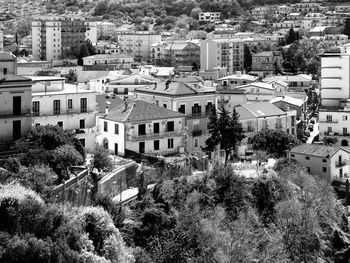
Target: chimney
x=125 y=104
x=106 y=109
x=167 y=84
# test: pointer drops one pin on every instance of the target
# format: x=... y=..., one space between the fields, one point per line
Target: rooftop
x=289 y=100
x=108 y=56
x=258 y=109
x=240 y=76
x=317 y=150
x=261 y=85
x=103 y=101
x=140 y=110
x=289 y=78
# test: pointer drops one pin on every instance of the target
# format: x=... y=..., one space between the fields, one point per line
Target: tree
x=225 y=130
x=291 y=37
x=101 y=160
x=72 y=76
x=247 y=58
x=346 y=30
x=274 y=142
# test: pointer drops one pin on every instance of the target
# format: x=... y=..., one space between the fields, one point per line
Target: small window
x=308 y=169
x=292 y=155
x=324 y=160
x=156 y=145
x=70 y=104
x=307 y=158
x=60 y=124
x=195 y=142
x=170 y=126
x=82 y=124
x=345 y=118
x=170 y=143
x=105 y=126
x=165 y=106
x=116 y=128
x=324 y=169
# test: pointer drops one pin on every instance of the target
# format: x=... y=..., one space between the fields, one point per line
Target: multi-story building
x=306 y=7
x=183 y=53
x=257 y=116
x=209 y=16
x=328 y=162
x=334 y=113
x=237 y=79
x=300 y=82
x=194 y=100
x=57 y=103
x=15 y=100
x=227 y=53
x=141 y=127
x=266 y=62
x=107 y=62
x=138 y=43
x=260 y=12
x=289 y=103
x=53 y=37
x=106 y=29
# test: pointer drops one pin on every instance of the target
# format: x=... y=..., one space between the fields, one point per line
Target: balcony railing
x=328 y=121
x=9 y=114
x=151 y=136
x=342 y=163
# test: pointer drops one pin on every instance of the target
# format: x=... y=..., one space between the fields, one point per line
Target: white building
x=141 y=127
x=106 y=29
x=209 y=16
x=138 y=43
x=52 y=37
x=57 y=103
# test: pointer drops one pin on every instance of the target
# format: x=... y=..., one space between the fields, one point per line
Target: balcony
x=196 y=133
x=328 y=121
x=341 y=163
x=151 y=136
x=9 y=114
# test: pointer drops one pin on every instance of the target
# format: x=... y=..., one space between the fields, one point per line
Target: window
x=329 y=118
x=324 y=169
x=16 y=130
x=182 y=109
x=345 y=130
x=142 y=129
x=170 y=143
x=17 y=105
x=56 y=107
x=165 y=106
x=60 y=124
x=116 y=128
x=292 y=155
x=70 y=104
x=156 y=145
x=329 y=129
x=141 y=147
x=170 y=126
x=308 y=169
x=307 y=158
x=324 y=160
x=156 y=127
x=196 y=142
x=36 y=108
x=345 y=118
x=83 y=105
x=105 y=126
x=82 y=124
x=208 y=107
x=196 y=109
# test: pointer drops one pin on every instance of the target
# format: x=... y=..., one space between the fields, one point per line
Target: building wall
x=53 y=40
x=91 y=31
x=111 y=137
x=6 y=114
x=315 y=165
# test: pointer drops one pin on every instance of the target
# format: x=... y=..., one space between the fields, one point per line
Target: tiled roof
x=108 y=56
x=174 y=88
x=140 y=110
x=103 y=101
x=261 y=85
x=7 y=56
x=259 y=109
x=10 y=77
x=318 y=150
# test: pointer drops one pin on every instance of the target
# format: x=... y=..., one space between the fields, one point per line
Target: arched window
x=344 y=143
x=105 y=143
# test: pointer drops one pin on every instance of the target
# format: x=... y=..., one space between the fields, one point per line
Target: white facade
x=209 y=16
x=138 y=43
x=91 y=31
x=73 y=109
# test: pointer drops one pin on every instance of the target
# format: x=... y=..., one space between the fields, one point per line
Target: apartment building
x=57 y=103
x=334 y=113
x=226 y=53
x=209 y=16
x=192 y=99
x=106 y=29
x=183 y=53
x=236 y=80
x=266 y=62
x=52 y=37
x=138 y=126
x=328 y=162
x=137 y=43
